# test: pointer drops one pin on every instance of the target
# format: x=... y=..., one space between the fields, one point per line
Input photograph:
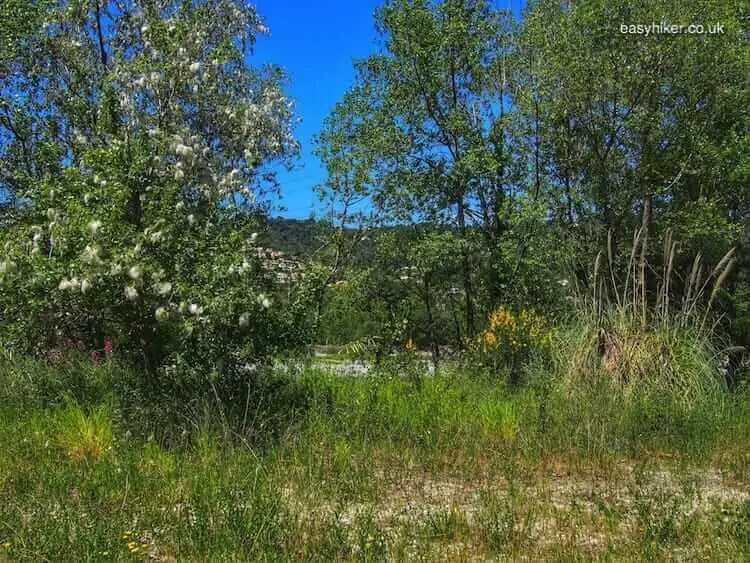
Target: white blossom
x=135 y=272
x=64 y=285
x=85 y=286
x=194 y=309
x=195 y=67
x=191 y=219
x=51 y=213
x=163 y=288
x=183 y=150
x=90 y=255
x=244 y=320
x=161 y=314
x=94 y=226
x=131 y=293
x=179 y=174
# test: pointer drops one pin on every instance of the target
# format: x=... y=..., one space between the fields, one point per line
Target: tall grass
x=369 y=468
x=645 y=343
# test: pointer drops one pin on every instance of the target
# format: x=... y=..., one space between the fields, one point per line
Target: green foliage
x=138 y=203
x=362 y=466
x=531 y=140
x=511 y=340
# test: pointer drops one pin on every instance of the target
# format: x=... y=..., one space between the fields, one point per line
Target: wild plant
x=646 y=341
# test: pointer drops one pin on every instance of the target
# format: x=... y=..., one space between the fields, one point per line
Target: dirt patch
x=586 y=512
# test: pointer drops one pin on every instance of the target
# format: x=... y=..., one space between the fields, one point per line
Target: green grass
x=98 y=463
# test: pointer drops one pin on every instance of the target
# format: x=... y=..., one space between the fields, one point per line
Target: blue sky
x=316 y=41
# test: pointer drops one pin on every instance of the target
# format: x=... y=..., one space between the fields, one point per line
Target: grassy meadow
x=98 y=463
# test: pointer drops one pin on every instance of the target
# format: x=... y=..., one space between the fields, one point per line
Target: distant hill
x=299 y=238
x=295 y=237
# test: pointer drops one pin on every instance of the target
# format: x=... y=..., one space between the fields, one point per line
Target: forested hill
x=304 y=237
x=295 y=237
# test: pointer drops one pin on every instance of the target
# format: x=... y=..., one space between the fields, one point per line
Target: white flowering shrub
x=139 y=185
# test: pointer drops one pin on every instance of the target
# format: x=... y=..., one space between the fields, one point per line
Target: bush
x=143 y=226
x=511 y=340
x=637 y=361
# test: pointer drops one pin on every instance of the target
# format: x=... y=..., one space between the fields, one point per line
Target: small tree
x=136 y=140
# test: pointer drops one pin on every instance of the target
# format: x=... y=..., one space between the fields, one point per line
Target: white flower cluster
x=91 y=254
x=163 y=288
x=94 y=226
x=244 y=320
x=74 y=285
x=263 y=301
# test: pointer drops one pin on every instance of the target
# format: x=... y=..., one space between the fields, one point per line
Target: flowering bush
x=512 y=338
x=140 y=211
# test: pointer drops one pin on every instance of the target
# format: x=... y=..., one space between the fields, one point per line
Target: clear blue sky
x=316 y=41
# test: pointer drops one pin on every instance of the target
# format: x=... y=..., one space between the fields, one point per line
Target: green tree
x=136 y=140
x=422 y=128
x=640 y=131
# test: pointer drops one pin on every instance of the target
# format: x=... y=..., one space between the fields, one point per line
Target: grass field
x=97 y=463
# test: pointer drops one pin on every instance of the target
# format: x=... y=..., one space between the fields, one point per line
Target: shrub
x=640 y=343
x=511 y=340
x=637 y=361
x=143 y=225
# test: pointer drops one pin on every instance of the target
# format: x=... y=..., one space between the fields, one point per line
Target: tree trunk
x=466 y=267
x=431 y=325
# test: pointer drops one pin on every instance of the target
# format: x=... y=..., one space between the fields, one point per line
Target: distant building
x=285 y=269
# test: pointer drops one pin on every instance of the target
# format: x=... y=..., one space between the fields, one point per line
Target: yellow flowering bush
x=511 y=338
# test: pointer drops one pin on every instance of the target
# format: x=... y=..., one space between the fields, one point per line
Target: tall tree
x=137 y=140
x=637 y=129
x=424 y=120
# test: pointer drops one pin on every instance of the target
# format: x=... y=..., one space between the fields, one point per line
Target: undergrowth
x=98 y=463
